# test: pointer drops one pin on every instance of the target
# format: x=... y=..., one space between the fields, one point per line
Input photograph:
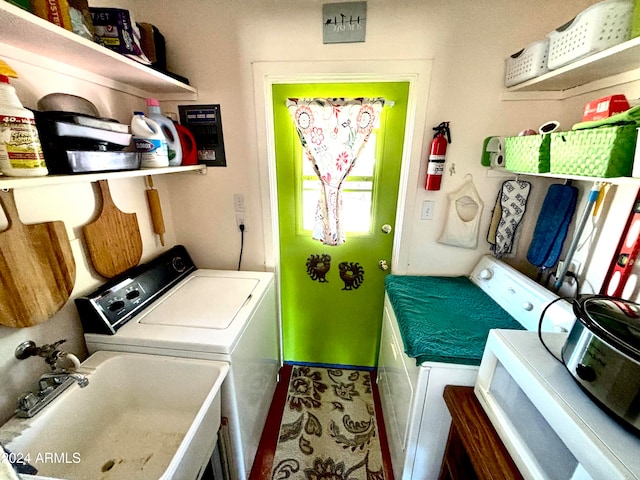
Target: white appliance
x=551 y=428
x=168 y=307
x=415 y=415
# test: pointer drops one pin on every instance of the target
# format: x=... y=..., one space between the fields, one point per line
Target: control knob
x=178 y=264
x=133 y=294
x=117 y=305
x=486 y=274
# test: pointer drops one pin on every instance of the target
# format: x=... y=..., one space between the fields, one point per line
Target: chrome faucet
x=57 y=378
x=51 y=384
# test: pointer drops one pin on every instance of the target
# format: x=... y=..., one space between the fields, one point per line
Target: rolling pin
x=156 y=210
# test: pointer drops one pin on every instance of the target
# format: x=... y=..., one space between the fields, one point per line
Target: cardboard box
x=115 y=30
x=152 y=43
x=605 y=107
x=72 y=15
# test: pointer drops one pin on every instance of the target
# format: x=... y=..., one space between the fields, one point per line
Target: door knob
x=383 y=265
x=386 y=228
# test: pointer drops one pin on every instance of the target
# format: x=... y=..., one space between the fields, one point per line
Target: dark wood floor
x=263 y=462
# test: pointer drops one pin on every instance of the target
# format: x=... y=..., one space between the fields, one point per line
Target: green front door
x=332 y=296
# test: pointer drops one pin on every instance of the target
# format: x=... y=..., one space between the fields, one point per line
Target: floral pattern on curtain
x=333 y=132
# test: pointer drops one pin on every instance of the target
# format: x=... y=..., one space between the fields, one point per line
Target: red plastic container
x=188 y=143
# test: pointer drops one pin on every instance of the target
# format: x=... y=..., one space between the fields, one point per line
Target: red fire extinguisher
x=435 y=167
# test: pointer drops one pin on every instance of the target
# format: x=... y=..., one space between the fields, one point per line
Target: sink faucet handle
x=27 y=401
x=27 y=349
x=49 y=352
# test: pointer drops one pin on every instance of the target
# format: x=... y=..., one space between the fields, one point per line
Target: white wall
x=598 y=250
x=214 y=43
x=76 y=205
x=467 y=40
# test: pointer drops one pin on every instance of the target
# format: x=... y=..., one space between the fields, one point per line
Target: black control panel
x=205 y=122
x=112 y=305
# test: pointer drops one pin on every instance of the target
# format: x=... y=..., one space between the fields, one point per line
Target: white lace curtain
x=333 y=132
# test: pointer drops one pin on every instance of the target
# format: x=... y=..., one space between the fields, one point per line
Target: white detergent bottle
x=169 y=131
x=150 y=141
x=20 y=149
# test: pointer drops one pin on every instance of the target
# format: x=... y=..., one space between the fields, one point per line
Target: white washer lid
x=202 y=301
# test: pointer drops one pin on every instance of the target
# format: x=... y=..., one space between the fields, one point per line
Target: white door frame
x=416 y=72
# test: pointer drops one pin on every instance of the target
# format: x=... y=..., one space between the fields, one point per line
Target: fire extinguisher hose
x=443 y=129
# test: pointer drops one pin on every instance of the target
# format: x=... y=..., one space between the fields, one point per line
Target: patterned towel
x=507 y=215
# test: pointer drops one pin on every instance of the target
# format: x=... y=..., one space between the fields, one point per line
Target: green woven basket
x=527 y=154
x=598 y=152
x=635 y=19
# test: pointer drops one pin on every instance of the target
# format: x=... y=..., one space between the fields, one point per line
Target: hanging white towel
x=463 y=218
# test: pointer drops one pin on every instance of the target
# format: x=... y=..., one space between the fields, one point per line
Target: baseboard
x=330 y=365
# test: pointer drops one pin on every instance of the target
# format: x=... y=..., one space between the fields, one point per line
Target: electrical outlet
x=240 y=220
x=574 y=266
x=428 y=207
x=238 y=202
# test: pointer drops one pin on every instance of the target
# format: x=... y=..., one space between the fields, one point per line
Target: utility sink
x=141 y=416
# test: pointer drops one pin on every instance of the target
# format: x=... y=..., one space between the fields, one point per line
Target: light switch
x=238 y=202
x=428 y=207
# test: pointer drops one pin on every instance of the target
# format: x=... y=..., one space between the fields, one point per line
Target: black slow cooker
x=602 y=353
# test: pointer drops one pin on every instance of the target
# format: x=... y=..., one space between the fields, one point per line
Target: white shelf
x=501 y=172
x=28 y=38
x=615 y=66
x=612 y=181
x=21 y=182
x=618 y=64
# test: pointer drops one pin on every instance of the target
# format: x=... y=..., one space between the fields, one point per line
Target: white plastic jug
x=168 y=129
x=150 y=141
x=20 y=149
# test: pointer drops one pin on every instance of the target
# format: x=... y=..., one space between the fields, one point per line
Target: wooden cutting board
x=113 y=239
x=37 y=269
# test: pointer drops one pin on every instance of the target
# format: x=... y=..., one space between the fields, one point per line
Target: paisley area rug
x=328 y=429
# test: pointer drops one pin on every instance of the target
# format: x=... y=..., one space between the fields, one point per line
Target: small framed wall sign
x=344 y=22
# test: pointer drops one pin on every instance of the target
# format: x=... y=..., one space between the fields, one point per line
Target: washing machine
x=169 y=307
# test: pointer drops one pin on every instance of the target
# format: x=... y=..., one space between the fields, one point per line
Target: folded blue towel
x=552 y=225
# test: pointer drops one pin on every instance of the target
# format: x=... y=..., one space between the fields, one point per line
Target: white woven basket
x=528 y=63
x=597 y=28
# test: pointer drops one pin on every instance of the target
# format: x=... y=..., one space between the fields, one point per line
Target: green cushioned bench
x=444 y=319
